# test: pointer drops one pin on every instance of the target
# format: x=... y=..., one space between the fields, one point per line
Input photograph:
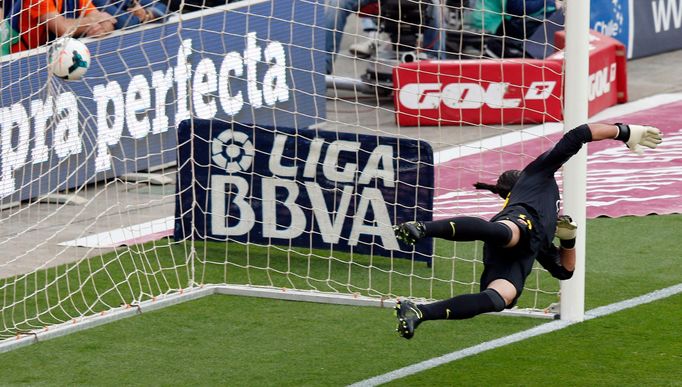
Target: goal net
x=266 y=147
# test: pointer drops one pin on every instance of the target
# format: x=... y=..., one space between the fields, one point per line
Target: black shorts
x=512 y=264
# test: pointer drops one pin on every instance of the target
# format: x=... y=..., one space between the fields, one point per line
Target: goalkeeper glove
x=636 y=136
x=566 y=230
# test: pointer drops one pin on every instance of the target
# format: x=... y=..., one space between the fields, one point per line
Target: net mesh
x=92 y=170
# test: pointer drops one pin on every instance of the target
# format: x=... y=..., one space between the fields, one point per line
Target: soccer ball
x=68 y=58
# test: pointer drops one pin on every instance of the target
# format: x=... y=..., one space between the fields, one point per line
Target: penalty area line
x=519 y=336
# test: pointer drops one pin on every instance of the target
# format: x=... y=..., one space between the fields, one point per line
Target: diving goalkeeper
x=519 y=234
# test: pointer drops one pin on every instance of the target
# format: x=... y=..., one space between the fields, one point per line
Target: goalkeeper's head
x=504 y=184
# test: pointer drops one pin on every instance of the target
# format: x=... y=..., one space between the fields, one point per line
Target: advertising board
x=302 y=187
x=254 y=66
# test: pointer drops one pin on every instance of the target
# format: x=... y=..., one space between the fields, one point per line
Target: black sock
x=469 y=228
x=464 y=306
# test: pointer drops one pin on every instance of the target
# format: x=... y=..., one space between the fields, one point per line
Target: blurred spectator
x=366 y=48
x=8 y=36
x=37 y=22
x=130 y=13
x=337 y=12
x=185 y=6
x=511 y=20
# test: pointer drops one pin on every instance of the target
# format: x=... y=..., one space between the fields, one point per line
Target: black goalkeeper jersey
x=537 y=190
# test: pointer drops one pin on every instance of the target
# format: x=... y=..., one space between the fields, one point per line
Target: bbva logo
x=232 y=151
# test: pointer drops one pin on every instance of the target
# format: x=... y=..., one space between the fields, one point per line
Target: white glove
x=566 y=228
x=647 y=136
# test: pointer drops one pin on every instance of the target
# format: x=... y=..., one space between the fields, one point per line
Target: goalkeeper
x=519 y=234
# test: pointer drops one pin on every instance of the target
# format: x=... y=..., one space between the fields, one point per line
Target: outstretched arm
x=634 y=136
x=603 y=131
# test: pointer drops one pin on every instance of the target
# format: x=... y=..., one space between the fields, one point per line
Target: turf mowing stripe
x=519 y=336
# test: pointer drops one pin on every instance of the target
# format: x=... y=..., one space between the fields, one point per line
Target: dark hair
x=504 y=184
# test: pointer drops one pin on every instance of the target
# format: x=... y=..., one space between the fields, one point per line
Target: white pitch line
x=516 y=337
x=632 y=302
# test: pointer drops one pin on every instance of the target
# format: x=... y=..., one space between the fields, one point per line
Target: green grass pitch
x=226 y=340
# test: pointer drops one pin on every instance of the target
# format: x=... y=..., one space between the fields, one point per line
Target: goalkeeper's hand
x=566 y=229
x=642 y=135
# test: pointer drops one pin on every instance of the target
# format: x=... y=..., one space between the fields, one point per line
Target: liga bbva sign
x=256 y=66
x=266 y=185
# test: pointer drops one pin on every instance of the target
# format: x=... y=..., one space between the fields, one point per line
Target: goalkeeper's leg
x=464 y=306
x=462 y=228
x=495 y=298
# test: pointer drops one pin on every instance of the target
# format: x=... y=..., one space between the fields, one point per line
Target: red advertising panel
x=478 y=92
x=511 y=91
x=607 y=71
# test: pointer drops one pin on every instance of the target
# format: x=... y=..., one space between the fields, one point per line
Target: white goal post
x=575 y=171
x=211 y=152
